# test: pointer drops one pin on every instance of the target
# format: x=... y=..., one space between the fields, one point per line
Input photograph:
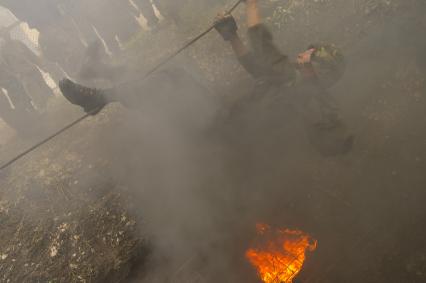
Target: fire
x=280 y=254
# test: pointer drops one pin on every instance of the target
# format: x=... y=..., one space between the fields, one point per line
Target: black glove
x=226 y=27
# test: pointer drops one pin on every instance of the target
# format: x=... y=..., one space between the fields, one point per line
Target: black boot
x=91 y=99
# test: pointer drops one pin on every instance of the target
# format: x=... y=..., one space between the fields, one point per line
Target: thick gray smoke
x=201 y=194
x=202 y=180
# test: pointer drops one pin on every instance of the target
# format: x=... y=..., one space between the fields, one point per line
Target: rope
x=10 y=162
x=150 y=72
x=191 y=42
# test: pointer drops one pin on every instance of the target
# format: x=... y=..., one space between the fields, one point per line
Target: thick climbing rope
x=149 y=73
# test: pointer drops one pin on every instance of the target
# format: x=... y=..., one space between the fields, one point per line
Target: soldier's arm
x=227 y=28
x=261 y=39
x=253 y=14
x=245 y=57
x=238 y=46
x=271 y=62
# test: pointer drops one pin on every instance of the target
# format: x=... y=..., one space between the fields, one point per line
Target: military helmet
x=328 y=62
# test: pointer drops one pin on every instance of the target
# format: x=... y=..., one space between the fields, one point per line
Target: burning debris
x=61 y=220
x=279 y=254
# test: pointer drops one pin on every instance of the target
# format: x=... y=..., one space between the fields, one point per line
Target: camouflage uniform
x=283 y=97
x=281 y=86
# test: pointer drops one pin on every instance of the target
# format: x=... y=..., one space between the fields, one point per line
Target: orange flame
x=280 y=256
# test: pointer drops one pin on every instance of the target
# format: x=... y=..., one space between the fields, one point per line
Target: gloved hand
x=226 y=26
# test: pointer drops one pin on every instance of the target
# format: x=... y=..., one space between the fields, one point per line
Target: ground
x=59 y=226
x=64 y=218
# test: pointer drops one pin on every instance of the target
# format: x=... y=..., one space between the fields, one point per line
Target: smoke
x=202 y=191
x=201 y=178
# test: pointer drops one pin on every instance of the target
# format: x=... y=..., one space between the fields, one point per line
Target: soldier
x=302 y=84
x=283 y=87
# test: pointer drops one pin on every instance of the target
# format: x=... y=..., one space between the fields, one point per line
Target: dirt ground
x=65 y=218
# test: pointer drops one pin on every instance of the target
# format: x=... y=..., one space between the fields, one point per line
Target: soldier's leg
x=97 y=66
x=171 y=88
x=92 y=99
